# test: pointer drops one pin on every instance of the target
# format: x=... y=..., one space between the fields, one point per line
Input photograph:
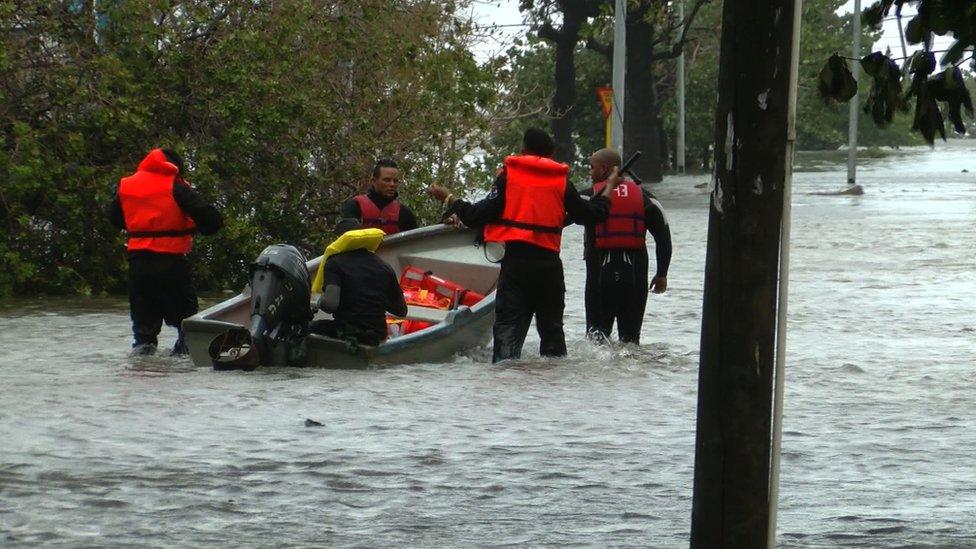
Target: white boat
x=218 y=335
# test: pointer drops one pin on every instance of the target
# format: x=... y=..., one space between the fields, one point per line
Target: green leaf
x=885 y=96
x=873 y=15
x=836 y=83
x=922 y=63
x=928 y=118
x=948 y=87
x=954 y=53
x=914 y=31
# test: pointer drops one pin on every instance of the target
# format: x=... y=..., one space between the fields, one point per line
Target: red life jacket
x=387 y=219
x=535 y=203
x=624 y=228
x=153 y=220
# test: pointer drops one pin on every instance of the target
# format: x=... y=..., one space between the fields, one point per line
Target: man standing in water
x=526 y=211
x=380 y=207
x=160 y=212
x=616 y=254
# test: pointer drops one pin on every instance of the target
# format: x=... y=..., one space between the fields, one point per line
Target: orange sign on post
x=605 y=93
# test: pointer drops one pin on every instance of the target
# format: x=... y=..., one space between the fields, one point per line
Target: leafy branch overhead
x=934 y=17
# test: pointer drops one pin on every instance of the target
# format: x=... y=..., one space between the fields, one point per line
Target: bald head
x=607 y=157
x=602 y=162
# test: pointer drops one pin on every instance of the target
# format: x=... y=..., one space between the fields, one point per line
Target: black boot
x=180 y=348
x=143 y=349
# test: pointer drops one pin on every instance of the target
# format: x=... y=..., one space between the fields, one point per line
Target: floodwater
x=595 y=450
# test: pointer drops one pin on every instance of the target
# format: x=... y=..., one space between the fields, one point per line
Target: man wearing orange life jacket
x=526 y=211
x=616 y=258
x=380 y=207
x=160 y=213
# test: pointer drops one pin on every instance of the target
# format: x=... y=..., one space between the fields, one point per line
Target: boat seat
x=427 y=314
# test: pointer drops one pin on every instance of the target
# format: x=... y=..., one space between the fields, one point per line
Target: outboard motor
x=280 y=312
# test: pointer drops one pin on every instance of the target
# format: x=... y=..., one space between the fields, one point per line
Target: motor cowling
x=280 y=312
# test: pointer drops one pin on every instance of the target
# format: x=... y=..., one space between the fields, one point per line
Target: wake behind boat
x=263 y=324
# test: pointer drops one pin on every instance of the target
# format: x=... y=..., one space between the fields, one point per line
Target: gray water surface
x=596 y=449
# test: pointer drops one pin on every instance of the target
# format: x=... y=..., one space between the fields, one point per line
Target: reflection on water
x=596 y=449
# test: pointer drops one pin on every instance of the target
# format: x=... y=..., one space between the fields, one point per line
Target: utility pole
x=901 y=36
x=680 y=152
x=619 y=68
x=854 y=104
x=734 y=446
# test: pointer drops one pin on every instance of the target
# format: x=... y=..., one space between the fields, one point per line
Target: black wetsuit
x=407 y=221
x=617 y=281
x=531 y=278
x=368 y=289
x=161 y=284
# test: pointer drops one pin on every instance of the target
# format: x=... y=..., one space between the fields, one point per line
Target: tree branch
x=548 y=32
x=605 y=50
x=679 y=44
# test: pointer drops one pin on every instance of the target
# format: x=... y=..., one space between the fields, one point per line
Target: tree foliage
x=280 y=109
x=928 y=88
x=819 y=125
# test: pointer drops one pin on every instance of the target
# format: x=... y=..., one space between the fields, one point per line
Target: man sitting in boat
x=357 y=287
x=379 y=207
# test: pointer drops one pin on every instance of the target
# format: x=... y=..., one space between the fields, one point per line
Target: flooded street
x=97 y=448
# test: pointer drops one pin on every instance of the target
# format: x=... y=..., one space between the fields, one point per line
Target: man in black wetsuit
x=358 y=289
x=380 y=206
x=615 y=251
x=526 y=211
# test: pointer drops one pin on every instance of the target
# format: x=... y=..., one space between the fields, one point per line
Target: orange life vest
x=535 y=197
x=153 y=220
x=624 y=228
x=456 y=295
x=387 y=219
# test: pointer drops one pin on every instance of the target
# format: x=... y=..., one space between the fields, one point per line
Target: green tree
x=927 y=87
x=819 y=125
x=280 y=109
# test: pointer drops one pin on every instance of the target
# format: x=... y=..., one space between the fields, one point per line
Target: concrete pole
x=619 y=65
x=680 y=152
x=854 y=103
x=901 y=36
x=783 y=292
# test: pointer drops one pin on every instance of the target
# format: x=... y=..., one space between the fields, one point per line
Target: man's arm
x=481 y=212
x=397 y=305
x=657 y=224
x=407 y=220
x=585 y=212
x=350 y=209
x=332 y=288
x=115 y=216
x=206 y=217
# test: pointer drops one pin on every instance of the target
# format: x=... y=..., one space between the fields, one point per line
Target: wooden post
x=730 y=506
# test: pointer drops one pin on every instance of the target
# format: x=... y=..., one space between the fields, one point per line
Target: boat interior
x=443 y=252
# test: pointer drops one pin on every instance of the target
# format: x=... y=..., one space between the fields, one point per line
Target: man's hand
x=452 y=220
x=659 y=284
x=612 y=181
x=616 y=178
x=439 y=192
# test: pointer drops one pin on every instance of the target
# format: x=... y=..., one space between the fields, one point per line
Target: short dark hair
x=383 y=163
x=536 y=141
x=174 y=159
